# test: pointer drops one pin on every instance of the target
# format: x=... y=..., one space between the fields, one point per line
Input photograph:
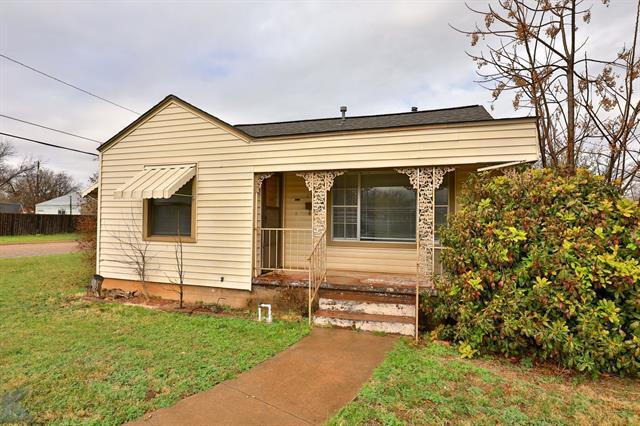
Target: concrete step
x=394 y=324
x=383 y=307
x=368 y=297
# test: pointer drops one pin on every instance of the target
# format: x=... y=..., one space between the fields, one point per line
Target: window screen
x=441 y=207
x=387 y=208
x=172 y=216
x=345 y=207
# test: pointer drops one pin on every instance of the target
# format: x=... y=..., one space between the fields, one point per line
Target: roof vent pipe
x=414 y=109
x=343 y=110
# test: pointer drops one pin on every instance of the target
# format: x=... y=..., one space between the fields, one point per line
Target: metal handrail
x=317 y=269
x=282 y=249
x=286 y=229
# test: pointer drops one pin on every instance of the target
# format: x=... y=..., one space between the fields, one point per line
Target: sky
x=243 y=62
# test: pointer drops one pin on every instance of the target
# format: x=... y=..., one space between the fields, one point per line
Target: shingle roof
x=406 y=119
x=325 y=125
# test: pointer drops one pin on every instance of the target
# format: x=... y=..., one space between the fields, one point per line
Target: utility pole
x=38 y=181
x=37 y=191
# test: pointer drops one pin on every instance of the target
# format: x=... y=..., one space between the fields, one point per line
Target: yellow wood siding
x=225 y=197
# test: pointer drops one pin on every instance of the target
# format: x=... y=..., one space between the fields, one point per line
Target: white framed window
x=379 y=206
x=170 y=217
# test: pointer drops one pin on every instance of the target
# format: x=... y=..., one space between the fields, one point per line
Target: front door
x=272 y=220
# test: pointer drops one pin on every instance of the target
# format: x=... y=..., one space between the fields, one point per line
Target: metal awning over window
x=156 y=182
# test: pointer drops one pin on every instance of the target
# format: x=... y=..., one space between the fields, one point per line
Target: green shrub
x=543 y=266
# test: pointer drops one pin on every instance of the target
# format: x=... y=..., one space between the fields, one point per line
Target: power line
x=49 y=128
x=67 y=84
x=48 y=144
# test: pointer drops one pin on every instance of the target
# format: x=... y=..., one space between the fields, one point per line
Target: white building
x=65 y=204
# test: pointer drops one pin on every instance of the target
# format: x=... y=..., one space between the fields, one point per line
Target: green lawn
x=38 y=238
x=433 y=385
x=83 y=362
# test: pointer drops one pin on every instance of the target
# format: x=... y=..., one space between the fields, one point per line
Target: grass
x=37 y=238
x=98 y=363
x=433 y=385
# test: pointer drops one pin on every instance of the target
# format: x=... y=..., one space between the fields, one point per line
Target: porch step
x=384 y=306
x=395 y=324
x=361 y=296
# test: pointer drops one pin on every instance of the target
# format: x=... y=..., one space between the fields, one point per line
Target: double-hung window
x=379 y=206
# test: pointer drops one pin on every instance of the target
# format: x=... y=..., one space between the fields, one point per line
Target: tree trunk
x=571 y=99
x=95 y=287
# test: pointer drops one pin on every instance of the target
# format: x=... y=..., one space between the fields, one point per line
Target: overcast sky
x=241 y=61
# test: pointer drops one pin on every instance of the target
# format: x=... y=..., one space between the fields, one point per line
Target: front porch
x=363 y=248
x=368 y=282
x=369 y=301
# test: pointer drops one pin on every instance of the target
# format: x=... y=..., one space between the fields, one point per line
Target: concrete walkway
x=305 y=384
x=37 y=249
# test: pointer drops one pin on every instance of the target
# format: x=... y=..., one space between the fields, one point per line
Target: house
x=9 y=207
x=66 y=204
x=345 y=209
x=90 y=192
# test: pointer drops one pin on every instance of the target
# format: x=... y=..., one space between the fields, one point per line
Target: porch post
x=258 y=178
x=319 y=183
x=425 y=180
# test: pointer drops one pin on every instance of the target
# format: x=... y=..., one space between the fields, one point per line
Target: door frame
x=278 y=212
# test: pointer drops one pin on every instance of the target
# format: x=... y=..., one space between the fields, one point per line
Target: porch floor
x=373 y=282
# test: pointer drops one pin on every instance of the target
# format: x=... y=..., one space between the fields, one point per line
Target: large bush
x=543 y=266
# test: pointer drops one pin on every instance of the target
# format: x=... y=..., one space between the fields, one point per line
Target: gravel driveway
x=37 y=249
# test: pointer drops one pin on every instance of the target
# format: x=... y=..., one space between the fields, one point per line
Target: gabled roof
x=91 y=191
x=249 y=132
x=162 y=104
x=367 y=122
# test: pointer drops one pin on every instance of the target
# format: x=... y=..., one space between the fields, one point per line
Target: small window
x=345 y=207
x=441 y=207
x=171 y=217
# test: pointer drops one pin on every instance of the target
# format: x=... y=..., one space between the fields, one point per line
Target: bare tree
x=9 y=173
x=179 y=257
x=135 y=251
x=87 y=225
x=588 y=108
x=38 y=184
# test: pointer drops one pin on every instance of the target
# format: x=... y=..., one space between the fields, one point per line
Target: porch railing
x=290 y=249
x=317 y=269
x=282 y=249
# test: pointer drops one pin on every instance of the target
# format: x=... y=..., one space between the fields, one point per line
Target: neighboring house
x=66 y=204
x=8 y=207
x=346 y=208
x=91 y=192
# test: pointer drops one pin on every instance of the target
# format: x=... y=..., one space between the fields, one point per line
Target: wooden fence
x=29 y=224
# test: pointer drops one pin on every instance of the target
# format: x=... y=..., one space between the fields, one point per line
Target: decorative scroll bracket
x=319 y=183
x=425 y=180
x=258 y=179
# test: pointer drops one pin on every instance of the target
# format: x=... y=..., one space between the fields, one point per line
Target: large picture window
x=379 y=206
x=171 y=217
